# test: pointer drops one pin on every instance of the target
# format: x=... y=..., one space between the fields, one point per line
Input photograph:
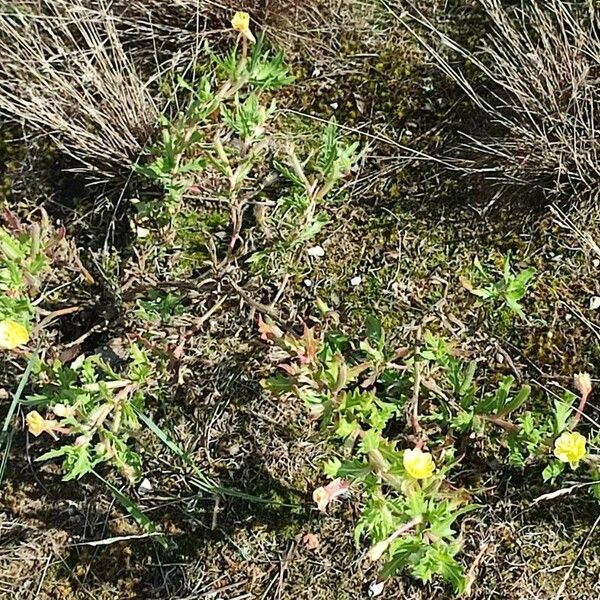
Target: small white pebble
x=145 y=487
x=499 y=358
x=334 y=105
x=595 y=302
x=316 y=251
x=596 y=262
x=356 y=280
x=376 y=588
x=307 y=282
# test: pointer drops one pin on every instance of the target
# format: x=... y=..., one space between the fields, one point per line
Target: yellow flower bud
x=241 y=23
x=12 y=334
x=418 y=464
x=570 y=448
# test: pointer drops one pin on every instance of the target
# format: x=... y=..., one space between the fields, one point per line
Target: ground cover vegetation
x=299 y=300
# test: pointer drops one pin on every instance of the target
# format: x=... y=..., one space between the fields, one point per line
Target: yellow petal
x=12 y=334
x=241 y=23
x=418 y=464
x=570 y=448
x=36 y=423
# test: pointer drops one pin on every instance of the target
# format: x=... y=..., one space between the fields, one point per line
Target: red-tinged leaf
x=268 y=331
x=310 y=346
x=289 y=369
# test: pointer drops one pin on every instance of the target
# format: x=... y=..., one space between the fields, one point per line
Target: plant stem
x=580 y=408
x=500 y=422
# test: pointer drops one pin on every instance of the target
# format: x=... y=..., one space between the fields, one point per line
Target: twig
x=254 y=303
x=500 y=422
x=414 y=420
x=54 y=315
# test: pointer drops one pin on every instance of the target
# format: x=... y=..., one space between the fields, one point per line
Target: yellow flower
x=37 y=424
x=241 y=23
x=12 y=334
x=570 y=448
x=418 y=464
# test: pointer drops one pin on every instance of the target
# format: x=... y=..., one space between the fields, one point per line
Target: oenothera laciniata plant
x=87 y=407
x=91 y=413
x=358 y=393
x=231 y=145
x=26 y=252
x=396 y=416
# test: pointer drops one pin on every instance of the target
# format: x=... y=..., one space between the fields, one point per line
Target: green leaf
x=442 y=519
x=402 y=552
x=562 y=411
x=370 y=441
x=485 y=293
x=515 y=307
x=375 y=331
x=280 y=384
x=332 y=467
x=452 y=571
x=467 y=381
x=517 y=401
x=314 y=228
x=506 y=272
x=346 y=428
x=553 y=470
x=353 y=469
x=358 y=531
x=78 y=462
x=463 y=420
x=477 y=264
x=503 y=391
x=522 y=280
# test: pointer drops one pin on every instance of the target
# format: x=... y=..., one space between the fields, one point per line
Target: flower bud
x=62 y=410
x=583 y=383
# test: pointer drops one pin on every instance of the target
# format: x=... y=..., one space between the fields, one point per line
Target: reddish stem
x=580 y=408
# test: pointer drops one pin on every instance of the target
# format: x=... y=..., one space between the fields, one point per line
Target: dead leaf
x=311 y=541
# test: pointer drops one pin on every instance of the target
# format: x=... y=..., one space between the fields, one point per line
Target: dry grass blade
x=64 y=72
x=541 y=66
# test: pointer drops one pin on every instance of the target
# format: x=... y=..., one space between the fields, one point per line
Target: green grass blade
x=203 y=482
x=6 y=435
x=133 y=509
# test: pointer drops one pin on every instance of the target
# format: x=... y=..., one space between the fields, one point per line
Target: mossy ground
x=409 y=231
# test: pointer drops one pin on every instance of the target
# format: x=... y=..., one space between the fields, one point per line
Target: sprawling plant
x=397 y=417
x=93 y=413
x=230 y=145
x=25 y=257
